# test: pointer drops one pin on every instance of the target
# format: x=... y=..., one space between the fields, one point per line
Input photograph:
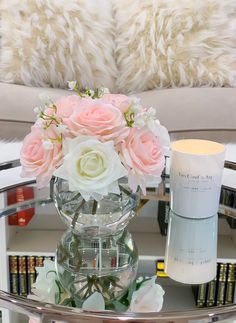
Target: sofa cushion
x=47 y=43
x=186 y=109
x=175 y=43
x=178 y=109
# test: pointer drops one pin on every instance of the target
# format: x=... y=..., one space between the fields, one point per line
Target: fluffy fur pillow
x=48 y=42
x=170 y=43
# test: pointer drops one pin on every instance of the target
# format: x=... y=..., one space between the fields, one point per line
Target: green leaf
x=66 y=278
x=119 y=307
x=132 y=288
x=78 y=302
x=67 y=302
x=110 y=307
x=57 y=298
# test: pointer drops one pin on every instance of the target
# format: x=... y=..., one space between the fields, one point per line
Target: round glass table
x=39 y=238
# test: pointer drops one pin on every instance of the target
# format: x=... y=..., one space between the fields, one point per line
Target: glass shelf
x=179 y=305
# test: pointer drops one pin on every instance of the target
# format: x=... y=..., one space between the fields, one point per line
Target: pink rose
x=98 y=118
x=65 y=106
x=120 y=101
x=38 y=161
x=142 y=153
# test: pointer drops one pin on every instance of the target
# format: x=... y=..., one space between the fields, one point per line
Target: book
x=20 y=194
x=31 y=275
x=22 y=276
x=24 y=193
x=39 y=261
x=160 y=269
x=211 y=293
x=13 y=270
x=162 y=216
x=221 y=284
x=11 y=199
x=228 y=198
x=230 y=284
x=201 y=295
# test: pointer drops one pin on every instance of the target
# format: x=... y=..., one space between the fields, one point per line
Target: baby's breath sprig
x=47 y=119
x=129 y=117
x=86 y=92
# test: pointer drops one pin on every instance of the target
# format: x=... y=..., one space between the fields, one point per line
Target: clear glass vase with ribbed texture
x=96 y=253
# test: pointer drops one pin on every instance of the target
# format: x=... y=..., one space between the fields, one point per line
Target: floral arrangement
x=144 y=295
x=93 y=138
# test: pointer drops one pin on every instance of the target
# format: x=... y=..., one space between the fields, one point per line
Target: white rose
x=148 y=298
x=91 y=167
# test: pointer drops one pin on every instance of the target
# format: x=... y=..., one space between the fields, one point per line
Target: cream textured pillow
x=172 y=43
x=49 y=42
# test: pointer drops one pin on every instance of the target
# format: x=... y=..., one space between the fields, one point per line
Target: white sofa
x=179 y=109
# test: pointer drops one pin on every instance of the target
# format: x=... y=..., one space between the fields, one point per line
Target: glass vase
x=96 y=253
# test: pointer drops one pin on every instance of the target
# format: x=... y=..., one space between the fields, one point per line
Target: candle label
x=194 y=195
x=196 y=183
x=193 y=256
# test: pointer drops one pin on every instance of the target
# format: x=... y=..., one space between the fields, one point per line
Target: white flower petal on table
x=148 y=298
x=95 y=302
x=35 y=320
x=45 y=287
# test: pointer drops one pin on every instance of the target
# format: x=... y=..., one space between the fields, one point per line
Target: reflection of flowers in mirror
x=145 y=295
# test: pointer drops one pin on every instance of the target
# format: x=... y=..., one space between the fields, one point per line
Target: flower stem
x=77 y=213
x=95 y=205
x=124 y=190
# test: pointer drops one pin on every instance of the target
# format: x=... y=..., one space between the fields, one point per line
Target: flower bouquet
x=95 y=138
x=99 y=150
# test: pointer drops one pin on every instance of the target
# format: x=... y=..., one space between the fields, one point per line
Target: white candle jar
x=191 y=249
x=195 y=177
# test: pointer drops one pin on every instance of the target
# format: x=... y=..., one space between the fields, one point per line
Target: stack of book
x=228 y=198
x=17 y=195
x=23 y=274
x=219 y=291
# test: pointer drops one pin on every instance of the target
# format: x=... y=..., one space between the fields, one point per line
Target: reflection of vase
x=96 y=253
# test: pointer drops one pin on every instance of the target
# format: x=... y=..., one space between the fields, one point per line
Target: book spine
x=13 y=269
x=230 y=286
x=201 y=295
x=11 y=199
x=228 y=198
x=211 y=293
x=221 y=285
x=22 y=194
x=30 y=273
x=22 y=276
x=160 y=269
x=162 y=216
x=39 y=261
